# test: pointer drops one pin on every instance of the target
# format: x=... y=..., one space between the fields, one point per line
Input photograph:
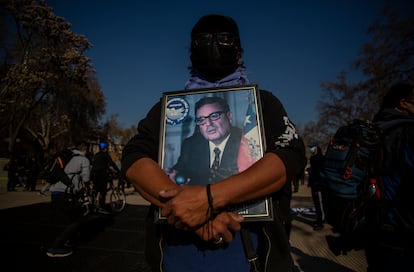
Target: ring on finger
x=219 y=241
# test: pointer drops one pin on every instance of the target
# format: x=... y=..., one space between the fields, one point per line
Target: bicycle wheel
x=117 y=200
x=97 y=196
x=86 y=199
x=86 y=205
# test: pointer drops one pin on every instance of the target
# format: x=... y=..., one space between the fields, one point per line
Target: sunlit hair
x=82 y=145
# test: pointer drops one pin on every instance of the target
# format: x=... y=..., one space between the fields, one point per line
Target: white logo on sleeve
x=288 y=135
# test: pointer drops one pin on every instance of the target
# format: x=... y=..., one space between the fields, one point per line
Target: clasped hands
x=186 y=207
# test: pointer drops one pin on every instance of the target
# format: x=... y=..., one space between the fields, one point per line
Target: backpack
x=55 y=172
x=351 y=174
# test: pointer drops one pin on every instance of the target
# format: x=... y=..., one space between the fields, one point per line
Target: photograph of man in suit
x=213 y=152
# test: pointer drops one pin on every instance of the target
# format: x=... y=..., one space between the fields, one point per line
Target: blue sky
x=140 y=48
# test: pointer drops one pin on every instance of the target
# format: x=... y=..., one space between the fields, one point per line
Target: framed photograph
x=208 y=135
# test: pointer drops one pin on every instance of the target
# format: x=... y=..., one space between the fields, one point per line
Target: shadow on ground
x=317 y=264
x=107 y=242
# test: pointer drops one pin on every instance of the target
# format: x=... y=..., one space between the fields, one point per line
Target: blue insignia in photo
x=176 y=110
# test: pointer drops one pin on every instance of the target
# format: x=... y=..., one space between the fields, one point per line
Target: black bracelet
x=210 y=200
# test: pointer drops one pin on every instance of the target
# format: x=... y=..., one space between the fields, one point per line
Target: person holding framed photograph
x=199 y=233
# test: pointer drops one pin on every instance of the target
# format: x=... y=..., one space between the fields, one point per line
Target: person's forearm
x=266 y=176
x=149 y=179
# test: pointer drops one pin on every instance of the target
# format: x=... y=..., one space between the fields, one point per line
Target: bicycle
x=86 y=198
x=115 y=196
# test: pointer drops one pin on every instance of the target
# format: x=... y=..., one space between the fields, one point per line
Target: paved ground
x=115 y=242
x=309 y=248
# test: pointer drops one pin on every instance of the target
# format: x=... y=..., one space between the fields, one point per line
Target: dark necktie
x=215 y=165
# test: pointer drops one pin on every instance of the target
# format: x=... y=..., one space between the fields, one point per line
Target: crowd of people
x=85 y=170
x=22 y=172
x=84 y=174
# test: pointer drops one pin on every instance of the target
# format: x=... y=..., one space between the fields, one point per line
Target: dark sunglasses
x=222 y=38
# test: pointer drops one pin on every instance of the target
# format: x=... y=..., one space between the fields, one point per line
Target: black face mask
x=214 y=61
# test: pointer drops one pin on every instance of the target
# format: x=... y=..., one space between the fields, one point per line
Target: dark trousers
x=295 y=185
x=101 y=186
x=31 y=183
x=317 y=202
x=13 y=180
x=69 y=217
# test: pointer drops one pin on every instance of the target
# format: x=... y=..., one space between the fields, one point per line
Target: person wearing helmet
x=103 y=146
x=200 y=233
x=101 y=173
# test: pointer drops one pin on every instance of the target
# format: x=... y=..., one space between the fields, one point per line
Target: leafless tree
x=386 y=59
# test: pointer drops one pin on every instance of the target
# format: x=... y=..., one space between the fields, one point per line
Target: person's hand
x=221 y=228
x=186 y=207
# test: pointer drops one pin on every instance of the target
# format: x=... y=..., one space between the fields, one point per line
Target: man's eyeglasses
x=222 y=38
x=212 y=117
x=409 y=101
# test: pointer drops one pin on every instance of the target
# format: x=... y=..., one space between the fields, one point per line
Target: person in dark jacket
x=101 y=173
x=390 y=243
x=211 y=238
x=12 y=168
x=316 y=184
x=32 y=173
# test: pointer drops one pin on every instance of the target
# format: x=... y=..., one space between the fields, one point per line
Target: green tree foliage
x=385 y=59
x=48 y=86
